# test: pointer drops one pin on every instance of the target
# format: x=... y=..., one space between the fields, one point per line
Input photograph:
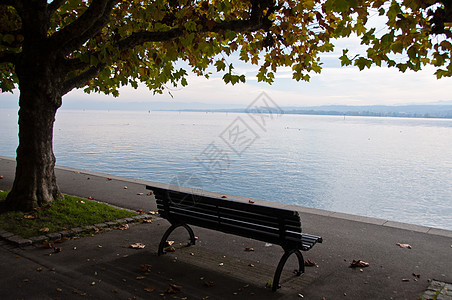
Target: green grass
x=62 y=214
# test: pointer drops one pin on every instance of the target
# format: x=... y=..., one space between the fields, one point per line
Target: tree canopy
x=48 y=48
x=104 y=44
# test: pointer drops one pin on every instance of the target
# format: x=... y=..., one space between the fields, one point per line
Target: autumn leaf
x=147 y=221
x=61 y=240
x=359 y=264
x=57 y=249
x=29 y=217
x=48 y=244
x=109 y=179
x=209 y=283
x=123 y=226
x=1 y=177
x=310 y=263
x=149 y=289
x=89 y=198
x=139 y=194
x=173 y=289
x=139 y=211
x=137 y=246
x=44 y=229
x=250 y=201
x=408 y=246
x=170 y=249
x=249 y=249
x=169 y=243
x=145 y=268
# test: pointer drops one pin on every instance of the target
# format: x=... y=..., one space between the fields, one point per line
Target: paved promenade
x=103 y=266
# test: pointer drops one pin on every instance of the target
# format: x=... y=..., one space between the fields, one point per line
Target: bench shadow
x=147 y=275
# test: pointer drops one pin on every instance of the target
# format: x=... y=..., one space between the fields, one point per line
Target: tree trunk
x=35 y=182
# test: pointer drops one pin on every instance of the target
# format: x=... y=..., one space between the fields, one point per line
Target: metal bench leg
x=169 y=231
x=282 y=262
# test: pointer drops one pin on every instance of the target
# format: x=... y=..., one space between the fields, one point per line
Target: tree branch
x=81 y=79
x=142 y=37
x=8 y=57
x=54 y=5
x=10 y=3
x=84 y=27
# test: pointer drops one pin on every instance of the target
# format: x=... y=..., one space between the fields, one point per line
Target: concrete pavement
x=103 y=265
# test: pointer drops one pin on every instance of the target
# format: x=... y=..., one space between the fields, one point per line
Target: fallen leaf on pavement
x=170 y=249
x=123 y=226
x=310 y=263
x=223 y=197
x=249 y=249
x=140 y=277
x=48 y=245
x=359 y=263
x=57 y=249
x=149 y=289
x=147 y=221
x=137 y=246
x=173 y=289
x=250 y=201
x=417 y=275
x=169 y=243
x=145 y=268
x=1 y=177
x=125 y=187
x=63 y=239
x=139 y=211
x=405 y=279
x=408 y=246
x=109 y=179
x=209 y=283
x=39 y=269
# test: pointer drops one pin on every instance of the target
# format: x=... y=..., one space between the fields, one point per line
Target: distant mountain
x=407 y=111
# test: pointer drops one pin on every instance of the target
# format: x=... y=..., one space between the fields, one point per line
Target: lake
x=392 y=168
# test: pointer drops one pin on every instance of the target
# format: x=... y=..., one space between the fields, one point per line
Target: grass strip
x=62 y=214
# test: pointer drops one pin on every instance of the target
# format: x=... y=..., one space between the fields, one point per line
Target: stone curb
x=438 y=290
x=22 y=242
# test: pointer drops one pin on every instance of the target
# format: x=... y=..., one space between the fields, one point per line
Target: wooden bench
x=263 y=223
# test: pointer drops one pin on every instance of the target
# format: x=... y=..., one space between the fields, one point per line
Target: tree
x=48 y=48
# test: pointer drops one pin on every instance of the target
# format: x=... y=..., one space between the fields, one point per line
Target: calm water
x=390 y=168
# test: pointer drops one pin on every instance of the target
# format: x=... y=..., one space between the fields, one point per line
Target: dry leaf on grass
x=29 y=217
x=137 y=246
x=408 y=246
x=44 y=229
x=359 y=264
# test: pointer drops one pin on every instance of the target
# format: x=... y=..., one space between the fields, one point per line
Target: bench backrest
x=268 y=224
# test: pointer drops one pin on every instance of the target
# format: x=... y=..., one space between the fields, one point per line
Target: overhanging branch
x=54 y=5
x=10 y=2
x=84 y=27
x=8 y=57
x=81 y=79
